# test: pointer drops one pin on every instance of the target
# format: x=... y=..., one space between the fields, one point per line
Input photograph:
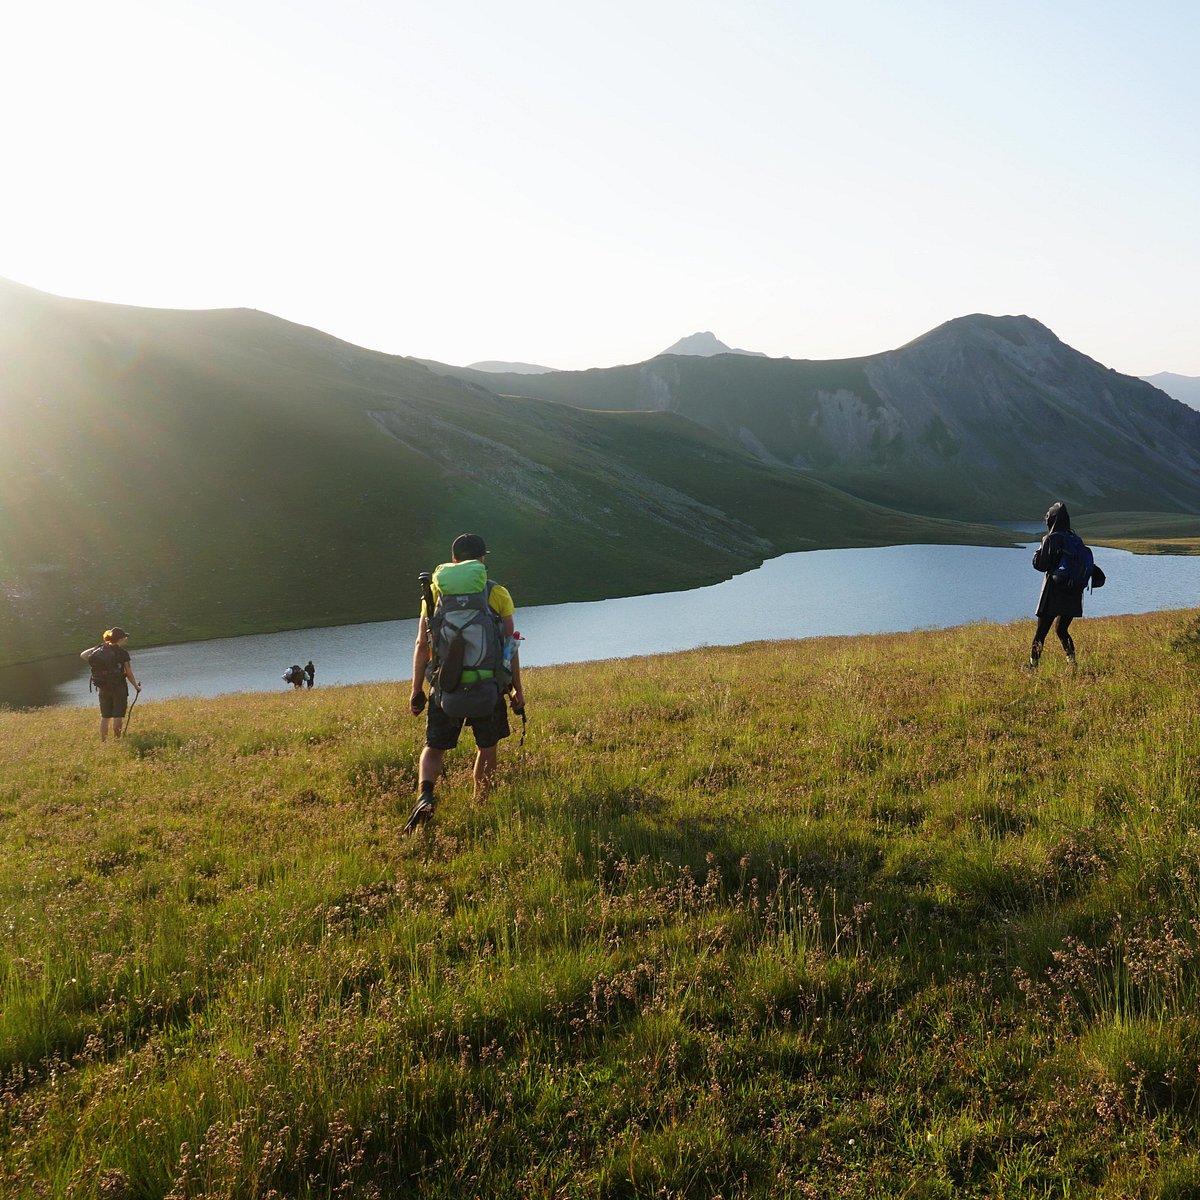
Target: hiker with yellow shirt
x=466 y=649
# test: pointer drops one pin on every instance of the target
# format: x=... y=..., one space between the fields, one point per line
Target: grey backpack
x=467 y=671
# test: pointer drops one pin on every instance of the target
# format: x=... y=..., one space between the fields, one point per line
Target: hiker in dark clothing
x=1058 y=604
x=112 y=673
x=310 y=672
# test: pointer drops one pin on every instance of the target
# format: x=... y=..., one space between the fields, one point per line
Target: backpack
x=293 y=674
x=466 y=635
x=107 y=671
x=1073 y=572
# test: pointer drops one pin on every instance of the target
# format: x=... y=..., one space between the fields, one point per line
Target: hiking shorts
x=113 y=704
x=441 y=731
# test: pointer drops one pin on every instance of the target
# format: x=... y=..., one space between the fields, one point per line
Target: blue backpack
x=1073 y=572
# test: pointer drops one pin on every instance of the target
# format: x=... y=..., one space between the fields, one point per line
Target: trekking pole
x=129 y=715
x=425 y=579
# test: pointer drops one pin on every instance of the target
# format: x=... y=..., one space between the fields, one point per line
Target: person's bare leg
x=430 y=769
x=485 y=771
x=104 y=729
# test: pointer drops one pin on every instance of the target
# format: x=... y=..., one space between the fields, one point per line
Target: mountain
x=203 y=474
x=510 y=368
x=1185 y=388
x=983 y=418
x=704 y=345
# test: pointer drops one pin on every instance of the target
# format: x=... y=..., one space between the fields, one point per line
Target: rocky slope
x=984 y=417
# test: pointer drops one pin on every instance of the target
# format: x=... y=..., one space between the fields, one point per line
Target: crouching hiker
x=112 y=673
x=1069 y=569
x=465 y=647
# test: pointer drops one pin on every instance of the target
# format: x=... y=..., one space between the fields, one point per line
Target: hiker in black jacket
x=1059 y=604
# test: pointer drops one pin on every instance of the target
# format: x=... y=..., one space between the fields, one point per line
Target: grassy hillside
x=1147 y=533
x=191 y=475
x=862 y=917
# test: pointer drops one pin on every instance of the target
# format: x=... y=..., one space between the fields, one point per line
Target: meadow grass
x=1154 y=545
x=877 y=916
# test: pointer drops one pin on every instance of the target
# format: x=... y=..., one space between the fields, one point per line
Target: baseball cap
x=468 y=545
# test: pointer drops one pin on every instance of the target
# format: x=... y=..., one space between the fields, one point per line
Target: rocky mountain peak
x=705 y=345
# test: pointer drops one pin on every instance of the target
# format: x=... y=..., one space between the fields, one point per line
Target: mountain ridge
x=1184 y=388
x=973 y=412
x=510 y=368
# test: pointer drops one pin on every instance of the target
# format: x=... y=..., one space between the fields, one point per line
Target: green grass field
x=863 y=917
x=1145 y=533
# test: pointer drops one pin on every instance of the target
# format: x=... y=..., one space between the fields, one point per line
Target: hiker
x=310 y=672
x=1068 y=567
x=112 y=673
x=464 y=581
x=295 y=676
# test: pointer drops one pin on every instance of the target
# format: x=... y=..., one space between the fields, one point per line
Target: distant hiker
x=466 y=626
x=1069 y=569
x=295 y=676
x=112 y=673
x=310 y=672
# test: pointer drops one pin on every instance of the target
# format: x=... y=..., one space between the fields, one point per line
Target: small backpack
x=466 y=634
x=107 y=671
x=1073 y=572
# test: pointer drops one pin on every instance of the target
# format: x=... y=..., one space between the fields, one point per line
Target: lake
x=812 y=594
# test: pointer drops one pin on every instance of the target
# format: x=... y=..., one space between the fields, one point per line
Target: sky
x=580 y=184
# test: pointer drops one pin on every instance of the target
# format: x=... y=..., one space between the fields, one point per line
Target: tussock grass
x=880 y=916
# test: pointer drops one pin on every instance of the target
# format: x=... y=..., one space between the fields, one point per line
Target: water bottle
x=511 y=646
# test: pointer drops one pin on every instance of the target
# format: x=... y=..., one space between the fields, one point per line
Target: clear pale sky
x=580 y=184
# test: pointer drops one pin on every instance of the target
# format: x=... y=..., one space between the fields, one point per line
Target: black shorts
x=441 y=731
x=113 y=704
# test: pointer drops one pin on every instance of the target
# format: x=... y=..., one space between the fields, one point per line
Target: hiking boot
x=422 y=813
x=1035 y=654
x=1071 y=657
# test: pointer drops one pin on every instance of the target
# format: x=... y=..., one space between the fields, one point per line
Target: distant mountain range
x=705 y=345
x=1185 y=388
x=203 y=474
x=510 y=368
x=982 y=418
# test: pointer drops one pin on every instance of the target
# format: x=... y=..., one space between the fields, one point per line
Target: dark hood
x=1058 y=520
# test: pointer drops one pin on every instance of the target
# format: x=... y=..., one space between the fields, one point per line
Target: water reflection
x=817 y=593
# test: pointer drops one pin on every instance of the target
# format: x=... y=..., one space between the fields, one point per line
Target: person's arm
x=128 y=669
x=421 y=656
x=1041 y=556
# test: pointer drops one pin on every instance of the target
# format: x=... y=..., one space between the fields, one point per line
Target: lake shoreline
x=793 y=597
x=1005 y=528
